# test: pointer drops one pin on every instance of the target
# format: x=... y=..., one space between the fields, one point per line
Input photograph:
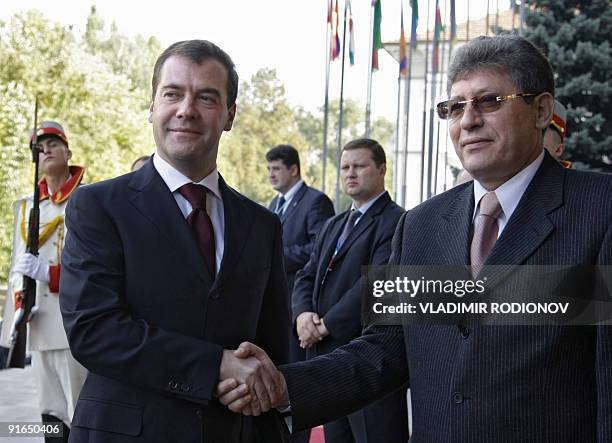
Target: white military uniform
x=59 y=377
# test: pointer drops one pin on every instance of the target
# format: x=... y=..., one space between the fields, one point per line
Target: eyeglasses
x=453 y=109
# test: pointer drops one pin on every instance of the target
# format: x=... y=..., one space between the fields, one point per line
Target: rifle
x=26 y=298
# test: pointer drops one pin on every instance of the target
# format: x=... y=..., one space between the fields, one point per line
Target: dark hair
x=286 y=153
x=197 y=51
x=378 y=153
x=139 y=159
x=526 y=65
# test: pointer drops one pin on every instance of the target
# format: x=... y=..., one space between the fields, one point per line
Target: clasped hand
x=250 y=383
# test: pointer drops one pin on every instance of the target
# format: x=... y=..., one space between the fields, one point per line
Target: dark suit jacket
x=335 y=293
x=302 y=221
x=144 y=317
x=485 y=383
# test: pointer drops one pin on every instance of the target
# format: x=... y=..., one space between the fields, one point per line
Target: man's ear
x=293 y=170
x=231 y=113
x=151 y=113
x=560 y=149
x=69 y=154
x=546 y=105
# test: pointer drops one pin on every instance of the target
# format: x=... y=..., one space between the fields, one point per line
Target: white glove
x=33 y=266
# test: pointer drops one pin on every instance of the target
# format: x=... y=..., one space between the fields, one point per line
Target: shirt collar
x=364 y=208
x=509 y=193
x=294 y=189
x=175 y=179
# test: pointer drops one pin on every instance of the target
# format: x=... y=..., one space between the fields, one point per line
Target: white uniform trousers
x=59 y=378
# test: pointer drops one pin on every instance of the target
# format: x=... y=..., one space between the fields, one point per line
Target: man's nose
x=186 y=108
x=471 y=118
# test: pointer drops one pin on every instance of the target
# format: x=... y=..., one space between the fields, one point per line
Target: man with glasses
x=478 y=383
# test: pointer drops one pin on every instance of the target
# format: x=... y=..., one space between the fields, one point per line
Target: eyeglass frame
x=499 y=98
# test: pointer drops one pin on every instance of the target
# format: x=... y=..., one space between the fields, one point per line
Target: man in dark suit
x=326 y=300
x=302 y=211
x=301 y=208
x=475 y=383
x=167 y=268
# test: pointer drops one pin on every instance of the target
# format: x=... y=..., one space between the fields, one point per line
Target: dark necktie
x=200 y=223
x=348 y=227
x=485 y=231
x=280 y=205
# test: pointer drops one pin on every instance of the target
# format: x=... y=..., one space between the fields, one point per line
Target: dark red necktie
x=200 y=222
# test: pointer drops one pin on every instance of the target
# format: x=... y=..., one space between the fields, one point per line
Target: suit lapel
x=238 y=224
x=454 y=234
x=153 y=200
x=293 y=203
x=364 y=223
x=529 y=225
x=329 y=247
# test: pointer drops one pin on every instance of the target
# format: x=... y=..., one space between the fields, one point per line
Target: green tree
x=264 y=119
x=101 y=110
x=576 y=37
x=311 y=127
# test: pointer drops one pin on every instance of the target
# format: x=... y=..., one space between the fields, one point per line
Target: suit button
x=185 y=388
x=464 y=331
x=214 y=295
x=172 y=384
x=458 y=397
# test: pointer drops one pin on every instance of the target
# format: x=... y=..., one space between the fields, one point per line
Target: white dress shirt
x=214 y=203
x=289 y=195
x=509 y=193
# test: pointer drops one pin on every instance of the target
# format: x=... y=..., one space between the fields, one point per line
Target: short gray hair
x=526 y=65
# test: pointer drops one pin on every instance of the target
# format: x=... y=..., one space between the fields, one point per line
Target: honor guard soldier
x=59 y=377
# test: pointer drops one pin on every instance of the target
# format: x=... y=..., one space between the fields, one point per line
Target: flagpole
x=522 y=22
x=369 y=91
x=467 y=25
x=496 y=15
x=452 y=38
x=340 y=118
x=487 y=30
x=435 y=186
x=425 y=103
x=326 y=104
x=413 y=44
x=400 y=73
x=397 y=133
x=434 y=76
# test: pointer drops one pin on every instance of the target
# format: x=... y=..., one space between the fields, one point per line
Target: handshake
x=249 y=383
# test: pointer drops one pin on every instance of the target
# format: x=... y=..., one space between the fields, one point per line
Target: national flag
x=376 y=36
x=453 y=22
x=403 y=66
x=435 y=63
x=351 y=35
x=336 y=38
x=415 y=22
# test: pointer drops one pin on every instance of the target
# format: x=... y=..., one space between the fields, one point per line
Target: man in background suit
x=326 y=300
x=472 y=383
x=302 y=211
x=301 y=208
x=168 y=268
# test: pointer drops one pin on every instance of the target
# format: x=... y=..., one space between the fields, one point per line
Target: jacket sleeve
x=304 y=287
x=274 y=325
x=297 y=255
x=604 y=348
x=103 y=335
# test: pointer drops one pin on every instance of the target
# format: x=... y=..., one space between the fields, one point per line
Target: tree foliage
x=576 y=37
x=100 y=105
x=97 y=85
